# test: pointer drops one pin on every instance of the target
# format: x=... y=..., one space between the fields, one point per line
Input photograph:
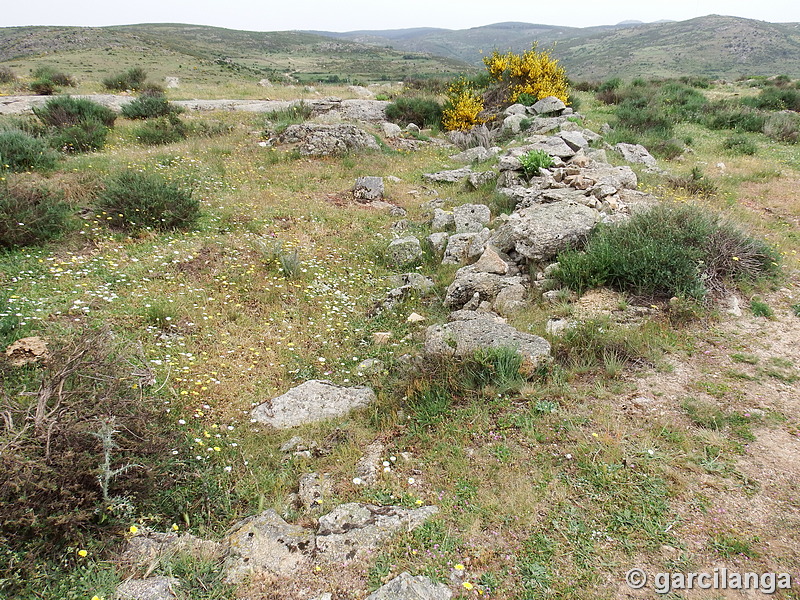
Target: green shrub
x=138 y=200
x=759 y=308
x=43 y=87
x=733 y=115
x=667 y=251
x=640 y=115
x=66 y=111
x=420 y=111
x=608 y=91
x=534 y=160
x=160 y=131
x=49 y=73
x=148 y=106
x=20 y=151
x=30 y=215
x=85 y=136
x=681 y=102
x=695 y=183
x=739 y=145
x=784 y=127
x=132 y=79
x=775 y=98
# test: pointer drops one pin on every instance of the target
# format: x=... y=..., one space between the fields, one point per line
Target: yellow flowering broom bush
x=463 y=107
x=533 y=72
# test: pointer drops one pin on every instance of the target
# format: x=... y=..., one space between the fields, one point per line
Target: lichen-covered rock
x=549 y=105
x=469 y=281
x=465 y=247
x=368 y=188
x=451 y=176
x=266 y=542
x=151 y=588
x=471 y=218
x=406 y=587
x=443 y=220
x=353 y=528
x=469 y=331
x=403 y=251
x=312 y=401
x=327 y=140
x=541 y=231
x=636 y=153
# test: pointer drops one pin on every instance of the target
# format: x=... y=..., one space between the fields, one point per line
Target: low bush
x=667 y=251
x=85 y=136
x=783 y=126
x=148 y=106
x=49 y=73
x=739 y=145
x=695 y=183
x=137 y=200
x=7 y=75
x=732 y=115
x=66 y=111
x=132 y=79
x=58 y=491
x=638 y=114
x=424 y=112
x=30 y=215
x=161 y=130
x=775 y=98
x=20 y=151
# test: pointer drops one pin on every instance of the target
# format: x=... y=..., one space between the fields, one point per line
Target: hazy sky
x=343 y=15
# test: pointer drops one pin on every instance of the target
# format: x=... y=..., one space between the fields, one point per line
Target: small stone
x=151 y=588
x=370 y=366
x=27 y=351
x=490 y=262
x=403 y=251
x=368 y=188
x=381 y=338
x=415 y=318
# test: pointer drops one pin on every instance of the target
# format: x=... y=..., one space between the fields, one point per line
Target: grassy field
x=670 y=446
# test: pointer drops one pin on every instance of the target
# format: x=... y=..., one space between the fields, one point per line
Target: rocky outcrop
x=326 y=140
x=407 y=587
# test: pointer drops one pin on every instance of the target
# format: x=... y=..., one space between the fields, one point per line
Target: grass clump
x=783 y=127
x=667 y=251
x=279 y=120
x=86 y=136
x=148 y=106
x=7 y=75
x=137 y=200
x=739 y=145
x=424 y=112
x=132 y=79
x=535 y=160
x=20 y=151
x=30 y=215
x=47 y=80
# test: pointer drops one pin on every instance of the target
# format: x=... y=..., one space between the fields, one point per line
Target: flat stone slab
x=312 y=401
x=407 y=587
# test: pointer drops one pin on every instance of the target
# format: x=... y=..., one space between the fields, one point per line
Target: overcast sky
x=344 y=15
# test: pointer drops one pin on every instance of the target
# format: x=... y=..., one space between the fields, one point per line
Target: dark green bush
x=43 y=87
x=695 y=183
x=420 y=111
x=667 y=251
x=85 y=136
x=608 y=91
x=66 y=111
x=681 y=102
x=148 y=106
x=20 y=151
x=161 y=130
x=739 y=145
x=30 y=215
x=137 y=200
x=639 y=115
x=132 y=79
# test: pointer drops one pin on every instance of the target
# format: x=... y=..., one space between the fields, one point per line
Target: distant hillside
x=716 y=46
x=306 y=56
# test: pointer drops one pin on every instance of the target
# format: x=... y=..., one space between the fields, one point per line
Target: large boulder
x=549 y=106
x=451 y=176
x=469 y=331
x=312 y=401
x=406 y=587
x=541 y=231
x=465 y=247
x=636 y=153
x=326 y=140
x=471 y=218
x=368 y=188
x=266 y=542
x=470 y=280
x=352 y=529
